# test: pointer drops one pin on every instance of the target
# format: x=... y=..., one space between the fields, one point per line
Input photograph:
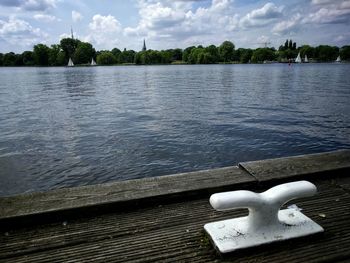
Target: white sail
x=70 y=63
x=338 y=59
x=93 y=63
x=305 y=59
x=298 y=59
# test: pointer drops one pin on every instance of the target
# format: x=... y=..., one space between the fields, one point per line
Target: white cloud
x=30 y=5
x=332 y=4
x=328 y=16
x=343 y=39
x=269 y=10
x=69 y=35
x=217 y=17
x=288 y=26
x=46 y=18
x=262 y=16
x=263 y=39
x=11 y=2
x=325 y=2
x=14 y=26
x=104 y=23
x=65 y=35
x=36 y=5
x=345 y=5
x=157 y=16
x=104 y=30
x=76 y=16
x=340 y=38
x=19 y=32
x=326 y=12
x=329 y=12
x=180 y=21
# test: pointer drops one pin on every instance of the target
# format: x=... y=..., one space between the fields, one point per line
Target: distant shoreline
x=75 y=52
x=174 y=64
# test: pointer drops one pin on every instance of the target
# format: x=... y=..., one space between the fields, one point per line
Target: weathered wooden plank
x=96 y=195
x=173 y=232
x=93 y=230
x=282 y=168
x=87 y=196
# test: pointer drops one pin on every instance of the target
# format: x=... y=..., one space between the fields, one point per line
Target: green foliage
x=153 y=57
x=9 y=59
x=127 y=56
x=195 y=55
x=137 y=58
x=176 y=54
x=326 y=53
x=287 y=54
x=193 y=58
x=27 y=58
x=287 y=51
x=83 y=53
x=116 y=53
x=105 y=58
x=213 y=53
x=61 y=59
x=167 y=56
x=41 y=55
x=206 y=58
x=69 y=46
x=345 y=53
x=226 y=50
x=142 y=58
x=53 y=53
x=186 y=53
x=263 y=54
x=307 y=50
x=19 y=60
x=244 y=55
x=290 y=44
x=201 y=55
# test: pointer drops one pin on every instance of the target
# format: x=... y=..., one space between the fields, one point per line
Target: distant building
x=144 y=46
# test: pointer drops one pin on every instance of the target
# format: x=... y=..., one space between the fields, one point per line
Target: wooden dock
x=161 y=219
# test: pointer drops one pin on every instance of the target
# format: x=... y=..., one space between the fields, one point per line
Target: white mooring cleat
x=266 y=223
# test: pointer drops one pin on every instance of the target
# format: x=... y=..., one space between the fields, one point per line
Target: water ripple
x=63 y=127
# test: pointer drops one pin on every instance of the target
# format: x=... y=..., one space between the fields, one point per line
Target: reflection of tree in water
x=227 y=76
x=80 y=82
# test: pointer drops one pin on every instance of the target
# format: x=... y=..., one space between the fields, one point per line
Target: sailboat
x=338 y=59
x=70 y=63
x=298 y=59
x=93 y=63
x=305 y=59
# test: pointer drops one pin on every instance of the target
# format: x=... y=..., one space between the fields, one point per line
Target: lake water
x=63 y=127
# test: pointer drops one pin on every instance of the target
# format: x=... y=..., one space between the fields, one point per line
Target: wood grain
x=289 y=167
x=174 y=233
x=111 y=193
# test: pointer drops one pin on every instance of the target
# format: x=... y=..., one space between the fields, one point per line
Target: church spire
x=144 y=45
x=71 y=31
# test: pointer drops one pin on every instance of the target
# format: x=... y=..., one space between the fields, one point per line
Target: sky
x=173 y=23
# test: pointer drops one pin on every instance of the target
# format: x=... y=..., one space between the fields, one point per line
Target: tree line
x=82 y=53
